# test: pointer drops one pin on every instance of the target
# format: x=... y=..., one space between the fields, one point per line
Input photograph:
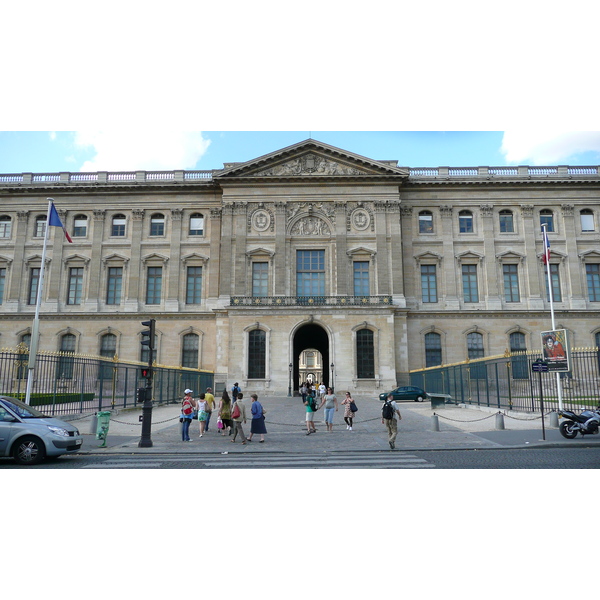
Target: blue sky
x=123 y=150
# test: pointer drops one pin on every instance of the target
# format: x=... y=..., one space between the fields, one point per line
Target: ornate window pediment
x=194 y=257
x=510 y=256
x=428 y=257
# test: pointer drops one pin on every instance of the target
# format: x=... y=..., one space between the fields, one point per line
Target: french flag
x=546 y=256
x=55 y=221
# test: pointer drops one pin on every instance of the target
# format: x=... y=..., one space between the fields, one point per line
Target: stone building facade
x=382 y=269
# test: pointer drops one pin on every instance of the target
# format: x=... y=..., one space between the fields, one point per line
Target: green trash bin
x=102 y=427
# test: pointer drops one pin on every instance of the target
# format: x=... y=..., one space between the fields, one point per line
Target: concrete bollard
x=499 y=421
x=554 y=419
x=94 y=424
x=435 y=423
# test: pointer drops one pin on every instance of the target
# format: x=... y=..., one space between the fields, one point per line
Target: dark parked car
x=29 y=436
x=407 y=392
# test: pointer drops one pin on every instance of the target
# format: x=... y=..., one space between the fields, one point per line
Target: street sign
x=539 y=366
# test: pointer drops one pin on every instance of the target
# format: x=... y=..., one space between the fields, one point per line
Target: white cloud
x=142 y=150
x=547 y=147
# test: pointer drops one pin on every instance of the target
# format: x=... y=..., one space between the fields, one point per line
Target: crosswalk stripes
x=379 y=460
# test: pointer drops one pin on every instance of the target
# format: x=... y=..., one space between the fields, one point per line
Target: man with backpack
x=235 y=390
x=388 y=418
x=311 y=409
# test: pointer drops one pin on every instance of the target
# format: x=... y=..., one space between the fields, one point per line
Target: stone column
x=396 y=254
x=383 y=260
x=176 y=266
x=95 y=271
x=449 y=280
x=18 y=278
x=240 y=216
x=214 y=264
x=225 y=274
x=572 y=273
x=531 y=235
x=486 y=278
x=281 y=249
x=339 y=281
x=135 y=294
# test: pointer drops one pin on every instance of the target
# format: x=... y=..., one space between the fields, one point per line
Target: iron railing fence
x=507 y=382
x=67 y=383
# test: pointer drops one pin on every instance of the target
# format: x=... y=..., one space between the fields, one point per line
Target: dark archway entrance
x=311 y=336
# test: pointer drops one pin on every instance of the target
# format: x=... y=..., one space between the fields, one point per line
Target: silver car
x=29 y=436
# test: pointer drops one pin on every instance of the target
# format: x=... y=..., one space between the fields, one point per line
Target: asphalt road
x=508 y=458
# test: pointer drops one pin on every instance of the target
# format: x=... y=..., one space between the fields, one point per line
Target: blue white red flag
x=546 y=256
x=55 y=221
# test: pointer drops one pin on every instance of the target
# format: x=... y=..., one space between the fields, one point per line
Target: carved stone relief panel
x=310 y=164
x=261 y=220
x=359 y=219
x=310 y=226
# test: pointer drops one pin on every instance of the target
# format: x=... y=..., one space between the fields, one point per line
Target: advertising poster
x=554 y=346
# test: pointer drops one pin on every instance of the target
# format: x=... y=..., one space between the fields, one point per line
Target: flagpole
x=35 y=330
x=551 y=297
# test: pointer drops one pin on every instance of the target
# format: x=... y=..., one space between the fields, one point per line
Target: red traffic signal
x=146 y=372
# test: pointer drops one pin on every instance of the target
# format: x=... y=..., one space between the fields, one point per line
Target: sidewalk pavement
x=460 y=427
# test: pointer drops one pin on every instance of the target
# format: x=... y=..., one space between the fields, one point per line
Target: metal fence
x=66 y=383
x=507 y=382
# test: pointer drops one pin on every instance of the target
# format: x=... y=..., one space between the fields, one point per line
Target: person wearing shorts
x=310 y=416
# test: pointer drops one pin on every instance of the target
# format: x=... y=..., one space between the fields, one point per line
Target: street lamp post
x=332 y=382
x=290 y=381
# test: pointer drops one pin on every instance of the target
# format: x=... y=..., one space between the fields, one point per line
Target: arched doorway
x=310 y=336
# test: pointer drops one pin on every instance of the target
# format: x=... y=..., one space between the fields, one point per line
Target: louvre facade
x=381 y=269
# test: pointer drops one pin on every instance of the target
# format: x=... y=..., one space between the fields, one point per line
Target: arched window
x=586 y=215
x=506 y=221
x=519 y=364
x=433 y=349
x=475 y=350
x=40 y=226
x=119 y=223
x=5 y=226
x=257 y=354
x=189 y=351
x=80 y=226
x=365 y=354
x=547 y=219
x=425 y=222
x=66 y=364
x=465 y=221
x=196 y=224
x=108 y=349
x=157 y=224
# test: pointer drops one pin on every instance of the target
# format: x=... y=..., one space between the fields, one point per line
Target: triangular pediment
x=311 y=159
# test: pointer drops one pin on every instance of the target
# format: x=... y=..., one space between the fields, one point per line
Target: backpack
x=387 y=412
x=312 y=403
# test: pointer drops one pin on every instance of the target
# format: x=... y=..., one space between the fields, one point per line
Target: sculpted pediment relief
x=311 y=164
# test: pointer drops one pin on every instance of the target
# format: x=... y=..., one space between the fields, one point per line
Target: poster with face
x=554 y=347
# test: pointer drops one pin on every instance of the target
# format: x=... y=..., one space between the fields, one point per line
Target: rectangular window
x=555 y=278
x=506 y=222
x=257 y=352
x=310 y=273
x=157 y=225
x=587 y=220
x=361 y=278
x=193 y=293
x=118 y=226
x=40 y=227
x=75 y=285
x=511 y=283
x=80 y=228
x=429 y=283
x=365 y=354
x=433 y=349
x=5 y=226
x=196 y=225
x=2 y=280
x=34 y=278
x=425 y=222
x=592 y=272
x=470 y=289
x=260 y=279
x=114 y=285
x=189 y=353
x=154 y=285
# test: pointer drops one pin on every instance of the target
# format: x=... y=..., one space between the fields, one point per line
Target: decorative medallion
x=261 y=220
x=360 y=219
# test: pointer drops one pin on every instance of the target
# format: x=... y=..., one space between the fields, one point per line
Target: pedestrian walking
x=188 y=405
x=388 y=418
x=235 y=390
x=211 y=405
x=303 y=392
x=322 y=390
x=238 y=416
x=257 y=424
x=331 y=405
x=348 y=403
x=202 y=413
x=225 y=413
x=311 y=409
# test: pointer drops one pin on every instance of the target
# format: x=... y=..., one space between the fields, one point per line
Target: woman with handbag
x=202 y=413
x=188 y=406
x=349 y=410
x=225 y=413
x=238 y=416
x=257 y=425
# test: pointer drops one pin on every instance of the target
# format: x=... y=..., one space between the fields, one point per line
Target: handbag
x=236 y=412
x=219 y=423
x=353 y=407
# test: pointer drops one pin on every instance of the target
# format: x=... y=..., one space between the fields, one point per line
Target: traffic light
x=148 y=335
x=146 y=373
